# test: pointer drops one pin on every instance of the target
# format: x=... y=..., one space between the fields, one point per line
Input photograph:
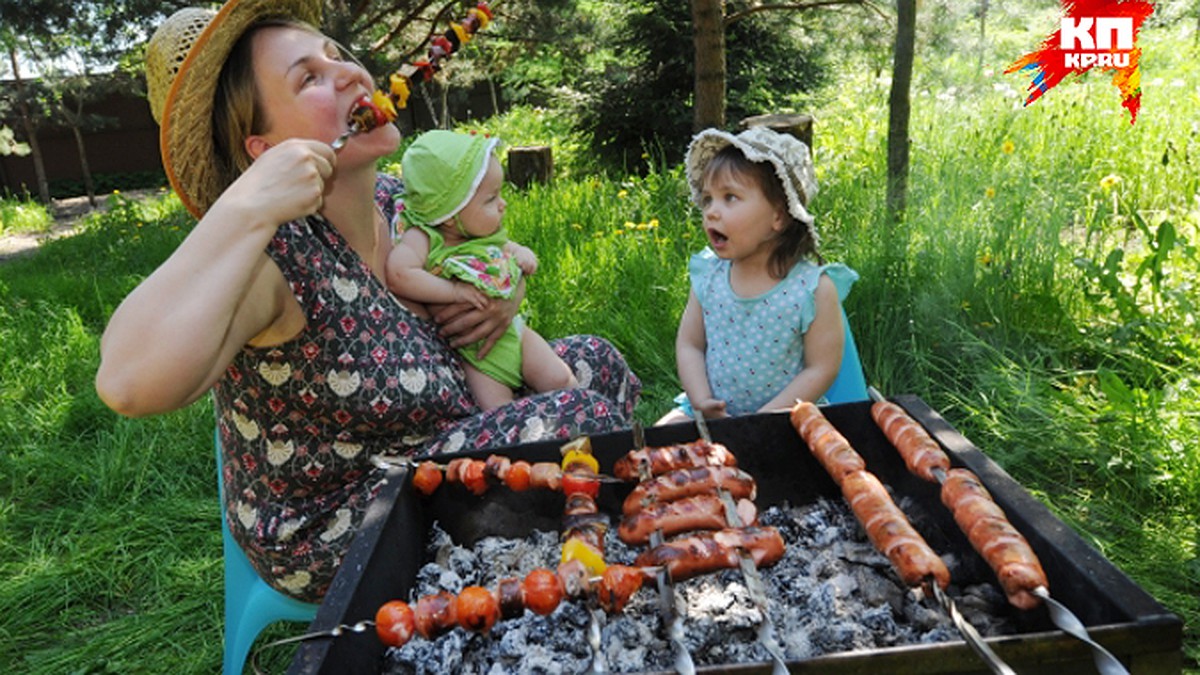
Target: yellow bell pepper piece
x=593 y=560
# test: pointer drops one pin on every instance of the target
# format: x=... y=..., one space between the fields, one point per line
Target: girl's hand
x=285 y=182
x=468 y=294
x=711 y=408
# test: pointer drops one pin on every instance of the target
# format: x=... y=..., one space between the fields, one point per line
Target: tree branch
x=799 y=6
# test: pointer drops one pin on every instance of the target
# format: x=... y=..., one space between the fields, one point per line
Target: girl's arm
x=690 y=347
x=823 y=345
x=173 y=336
x=408 y=278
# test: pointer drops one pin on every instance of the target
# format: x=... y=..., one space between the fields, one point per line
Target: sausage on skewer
x=923 y=456
x=706 y=552
x=993 y=536
x=690 y=482
x=701 y=512
x=671 y=457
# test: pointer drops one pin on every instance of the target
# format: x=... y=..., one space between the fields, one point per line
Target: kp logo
x=1092 y=34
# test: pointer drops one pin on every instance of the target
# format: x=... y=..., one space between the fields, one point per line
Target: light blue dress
x=756 y=345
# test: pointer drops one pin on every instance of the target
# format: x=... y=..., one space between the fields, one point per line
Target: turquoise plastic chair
x=850 y=384
x=250 y=604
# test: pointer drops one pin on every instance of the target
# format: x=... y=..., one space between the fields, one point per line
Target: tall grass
x=1041 y=305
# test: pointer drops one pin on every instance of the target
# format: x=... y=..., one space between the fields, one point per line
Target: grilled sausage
x=701 y=512
x=617 y=586
x=436 y=614
x=690 y=482
x=671 y=457
x=923 y=456
x=890 y=532
x=825 y=442
x=545 y=476
x=1006 y=551
x=706 y=552
x=511 y=598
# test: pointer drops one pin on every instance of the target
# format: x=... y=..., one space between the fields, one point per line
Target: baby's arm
x=407 y=277
x=690 y=347
x=526 y=258
x=824 y=342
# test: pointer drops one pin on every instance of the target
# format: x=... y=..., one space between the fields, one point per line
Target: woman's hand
x=464 y=324
x=285 y=182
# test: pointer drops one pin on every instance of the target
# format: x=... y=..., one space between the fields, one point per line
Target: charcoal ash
x=831 y=592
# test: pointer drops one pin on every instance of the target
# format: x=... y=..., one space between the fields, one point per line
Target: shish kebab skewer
x=754 y=582
x=581 y=573
x=672 y=619
x=381 y=107
x=984 y=522
x=886 y=525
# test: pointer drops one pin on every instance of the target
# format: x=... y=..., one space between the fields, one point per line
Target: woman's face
x=307 y=89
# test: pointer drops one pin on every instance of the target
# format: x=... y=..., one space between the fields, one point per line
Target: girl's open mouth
x=716 y=238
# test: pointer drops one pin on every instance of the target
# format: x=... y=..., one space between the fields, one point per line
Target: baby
x=455 y=249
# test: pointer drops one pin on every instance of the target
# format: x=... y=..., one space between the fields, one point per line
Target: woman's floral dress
x=299 y=422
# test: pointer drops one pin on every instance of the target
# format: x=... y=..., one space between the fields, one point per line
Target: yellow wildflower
x=1109 y=182
x=653 y=223
x=989 y=193
x=1007 y=147
x=629 y=224
x=622 y=194
x=985 y=259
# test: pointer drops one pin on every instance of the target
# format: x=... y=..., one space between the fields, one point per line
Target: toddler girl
x=763 y=322
x=455 y=249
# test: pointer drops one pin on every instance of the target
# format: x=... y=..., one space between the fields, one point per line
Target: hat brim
x=186 y=133
x=706 y=144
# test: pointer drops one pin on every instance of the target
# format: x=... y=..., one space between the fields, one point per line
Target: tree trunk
x=88 y=185
x=35 y=150
x=708 y=24
x=899 y=108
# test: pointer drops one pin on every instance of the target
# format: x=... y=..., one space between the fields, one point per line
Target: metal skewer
x=672 y=619
x=754 y=582
x=1060 y=615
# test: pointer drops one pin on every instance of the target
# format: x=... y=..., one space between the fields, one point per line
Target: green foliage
x=23 y=216
x=641 y=104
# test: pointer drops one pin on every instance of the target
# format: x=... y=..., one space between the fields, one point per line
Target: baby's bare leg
x=541 y=368
x=488 y=392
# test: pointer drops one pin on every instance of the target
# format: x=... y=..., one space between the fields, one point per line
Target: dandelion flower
x=1007 y=147
x=1109 y=182
x=989 y=193
x=653 y=223
x=629 y=225
x=622 y=194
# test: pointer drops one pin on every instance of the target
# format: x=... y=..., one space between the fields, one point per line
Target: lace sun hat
x=183 y=61
x=787 y=154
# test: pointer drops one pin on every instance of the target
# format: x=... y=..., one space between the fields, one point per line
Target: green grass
x=1001 y=301
x=21 y=216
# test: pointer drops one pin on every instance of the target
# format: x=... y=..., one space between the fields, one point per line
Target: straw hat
x=786 y=153
x=183 y=61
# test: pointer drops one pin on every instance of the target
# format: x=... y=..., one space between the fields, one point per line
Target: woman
x=276 y=299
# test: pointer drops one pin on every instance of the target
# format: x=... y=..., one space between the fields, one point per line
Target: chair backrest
x=850 y=384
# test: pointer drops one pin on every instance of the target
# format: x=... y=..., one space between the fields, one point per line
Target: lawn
x=1039 y=295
